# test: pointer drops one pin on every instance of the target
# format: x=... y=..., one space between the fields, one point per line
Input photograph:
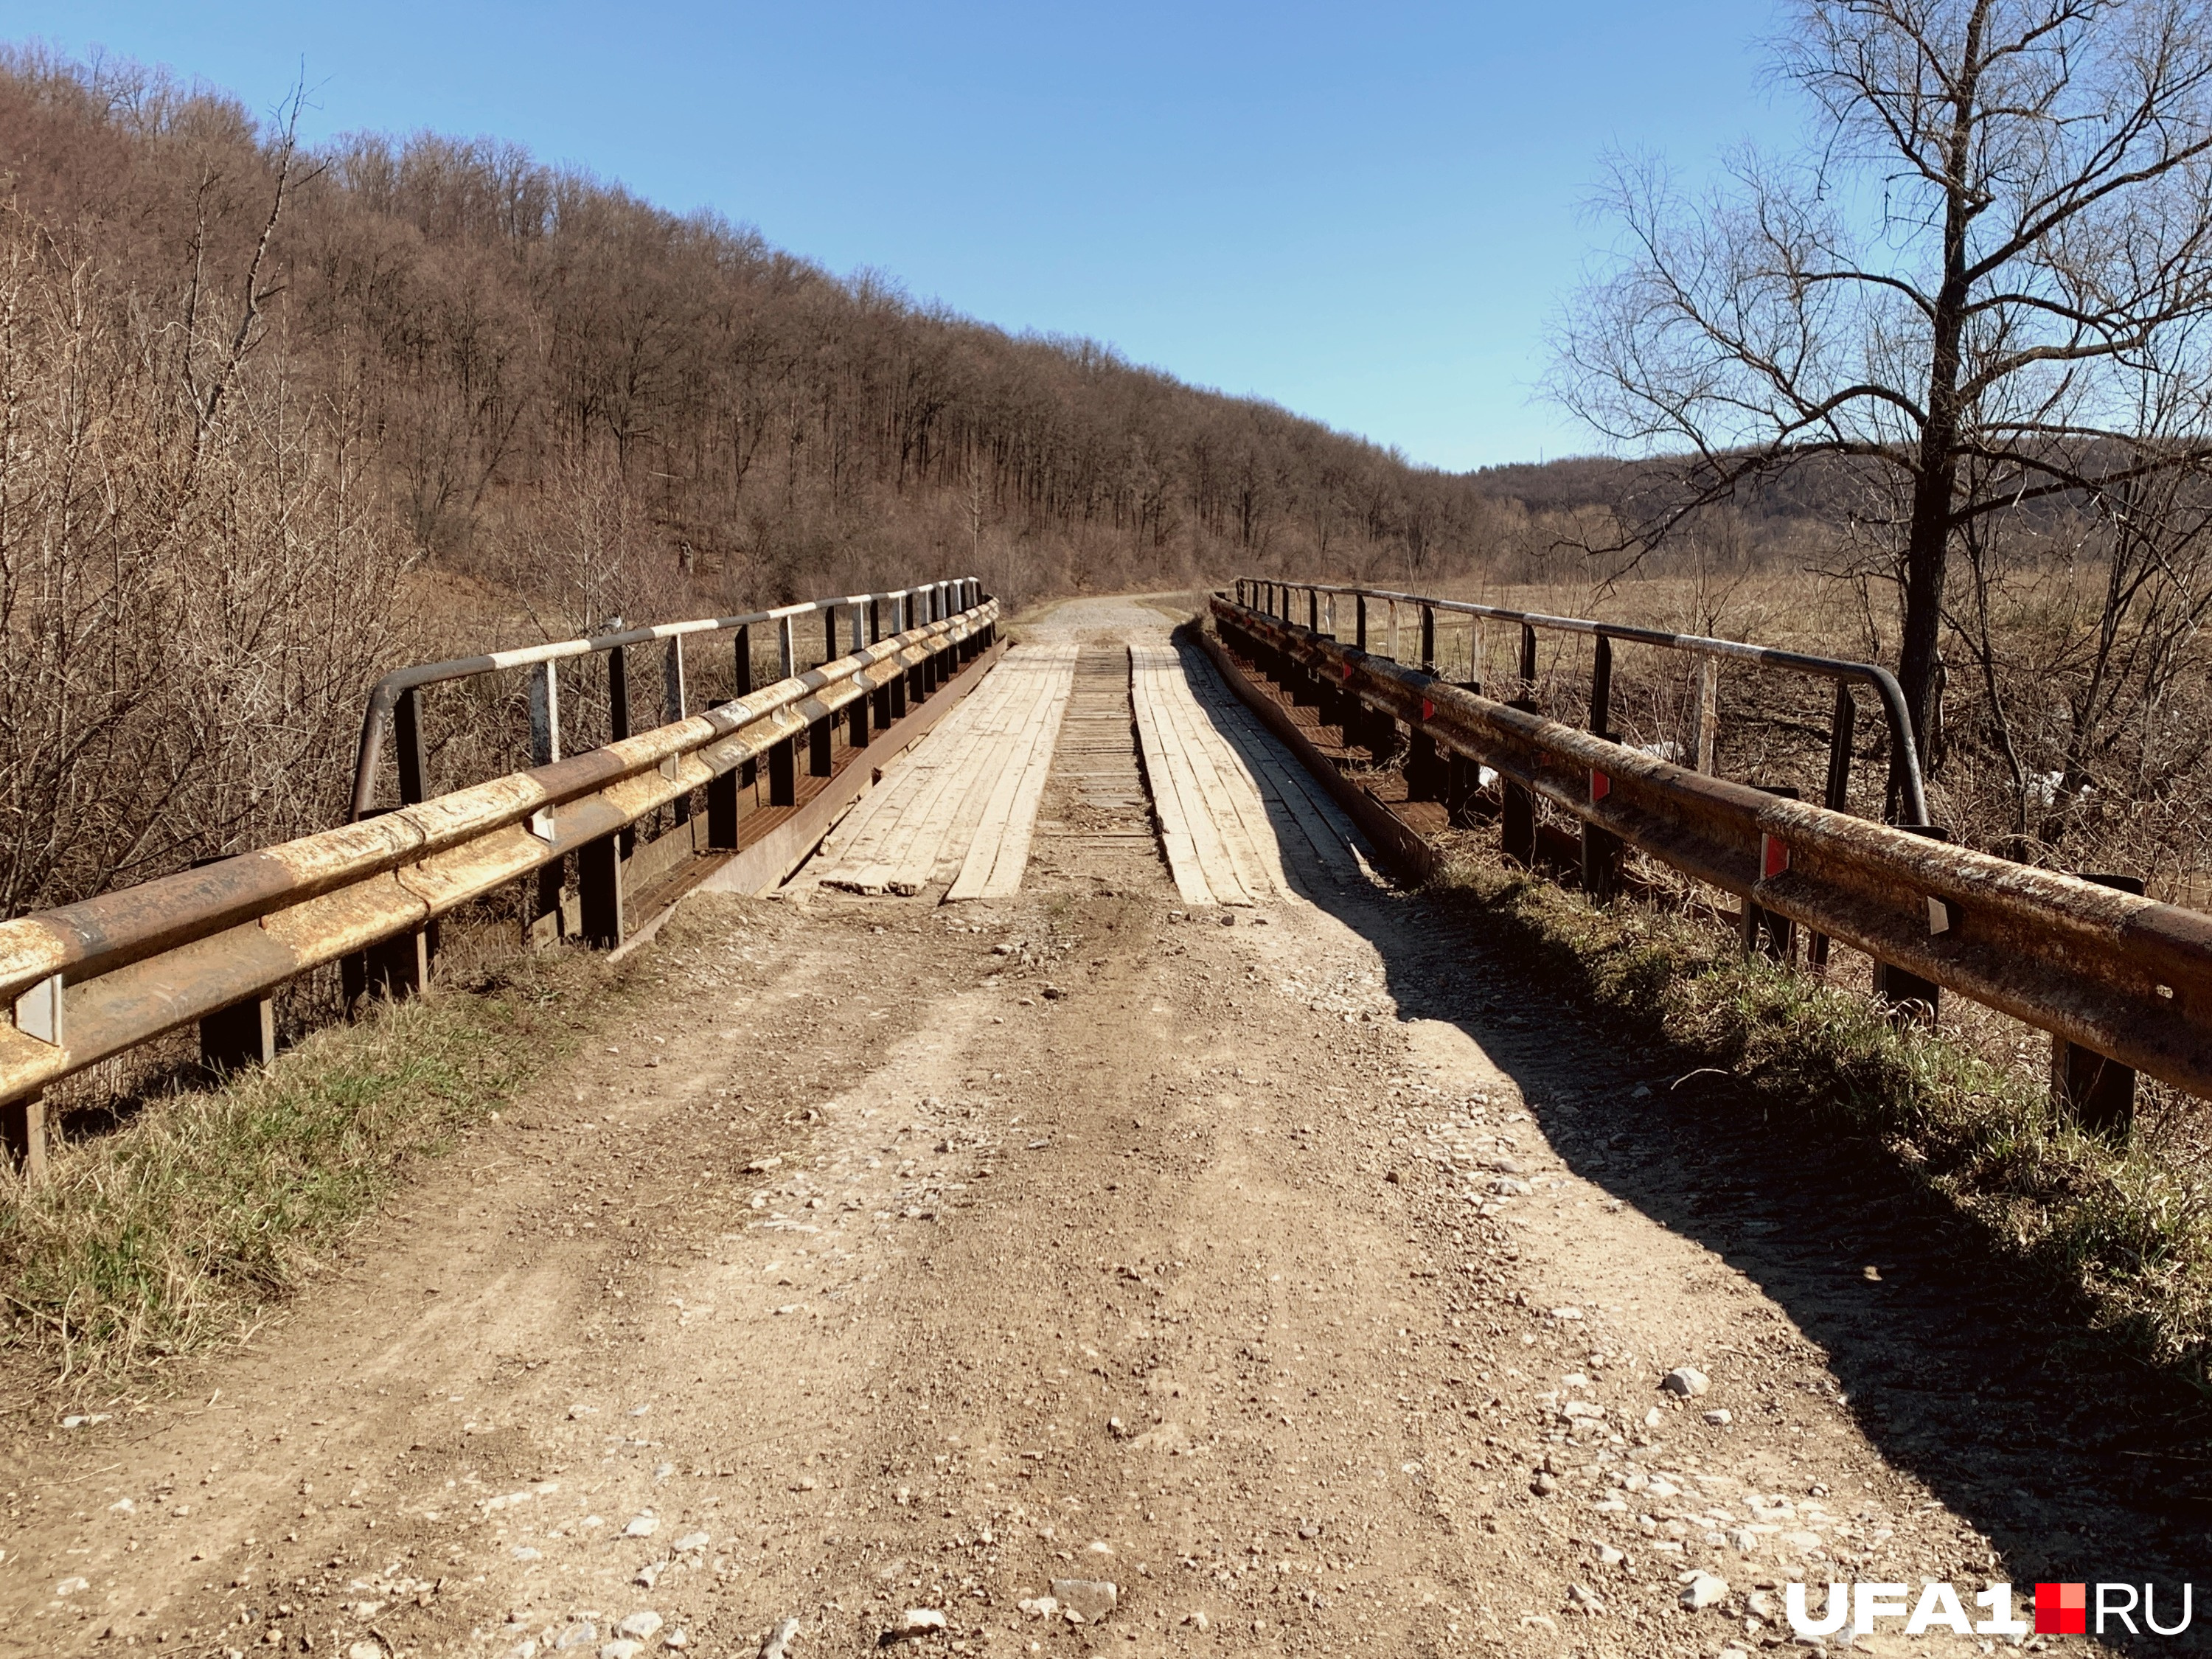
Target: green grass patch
x=2124 y=1232
x=175 y=1231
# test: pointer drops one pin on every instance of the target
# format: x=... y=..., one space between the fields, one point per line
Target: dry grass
x=182 y=1227
x=2126 y=1233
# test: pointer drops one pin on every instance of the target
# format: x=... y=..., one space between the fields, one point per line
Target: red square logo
x=2061 y=1610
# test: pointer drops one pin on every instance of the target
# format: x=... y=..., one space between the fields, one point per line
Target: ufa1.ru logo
x=2082 y=1609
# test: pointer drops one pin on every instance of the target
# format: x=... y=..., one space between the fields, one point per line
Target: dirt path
x=1289 y=1274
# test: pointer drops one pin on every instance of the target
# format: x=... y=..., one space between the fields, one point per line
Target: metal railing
x=89 y=981
x=395 y=705
x=2107 y=972
x=1908 y=796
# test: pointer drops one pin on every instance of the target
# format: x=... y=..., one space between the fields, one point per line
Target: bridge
x=1044 y=1176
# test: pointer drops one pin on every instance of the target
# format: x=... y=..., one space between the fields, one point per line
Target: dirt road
x=1286 y=1267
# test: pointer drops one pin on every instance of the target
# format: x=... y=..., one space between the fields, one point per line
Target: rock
x=1094 y=1598
x=1196 y=1620
x=1054 y=993
x=1705 y=1591
x=524 y=1553
x=71 y=1586
x=648 y=1575
x=1311 y=1531
x=777 y=1643
x=640 y=1626
x=1686 y=1380
x=1507 y=1186
x=576 y=1412
x=762 y=1165
x=1720 y=1418
x=1761 y=1606
x=1805 y=1541
x=1653 y=1418
x=1585 y=1598
x=365 y=1651
x=690 y=1543
x=577 y=1635
x=677 y=1639
x=642 y=1526
x=621 y=1649
x=1038 y=1607
x=917 y=1621
x=1566 y=1313
x=1742 y=1539
x=1543 y=1486
x=1608 y=1556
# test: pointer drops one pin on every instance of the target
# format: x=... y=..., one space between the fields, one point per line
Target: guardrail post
x=2098 y=1093
x=783 y=773
x=544 y=750
x=1359 y=624
x=1313 y=610
x=747 y=770
x=1516 y=823
x=619 y=708
x=675 y=705
x=23 y=1132
x=1428 y=638
x=1704 y=716
x=820 y=740
x=598 y=891
x=786 y=651
x=1528 y=667
x=1910 y=999
x=414 y=757
x=244 y=1033
x=1600 y=847
x=1835 y=797
x=1761 y=930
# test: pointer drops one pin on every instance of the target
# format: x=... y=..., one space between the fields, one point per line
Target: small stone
x=123 y=1506
x=621 y=1649
x=1094 y=1598
x=1311 y=1531
x=576 y=1412
x=578 y=1636
x=1585 y=1598
x=1543 y=1486
x=1054 y=993
x=1654 y=1418
x=1566 y=1313
x=1720 y=1418
x=640 y=1626
x=918 y=1621
x=1686 y=1380
x=690 y=1543
x=524 y=1553
x=777 y=1645
x=71 y=1586
x=1038 y=1607
x=678 y=1639
x=365 y=1651
x=648 y=1575
x=762 y=1165
x=1705 y=1591
x=1608 y=1556
x=1507 y=1186
x=642 y=1526
x=1196 y=1620
x=1742 y=1539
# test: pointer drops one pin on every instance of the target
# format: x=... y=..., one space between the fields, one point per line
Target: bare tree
x=1999 y=227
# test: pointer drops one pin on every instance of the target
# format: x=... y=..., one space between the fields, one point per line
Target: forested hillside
x=531 y=361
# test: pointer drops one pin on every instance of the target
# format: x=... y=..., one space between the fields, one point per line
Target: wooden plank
x=1173 y=799
x=998 y=854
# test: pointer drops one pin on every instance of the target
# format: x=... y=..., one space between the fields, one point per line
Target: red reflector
x=1773 y=857
x=1428 y=709
x=1347 y=671
x=1600 y=786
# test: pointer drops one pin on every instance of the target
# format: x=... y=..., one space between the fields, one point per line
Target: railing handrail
x=1912 y=805
x=384 y=697
x=157 y=956
x=2113 y=972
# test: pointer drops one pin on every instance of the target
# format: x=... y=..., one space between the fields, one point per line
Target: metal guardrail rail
x=1908 y=796
x=86 y=982
x=2106 y=970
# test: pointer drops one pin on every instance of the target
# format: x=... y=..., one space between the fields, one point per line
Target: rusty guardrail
x=91 y=979
x=1908 y=795
x=2109 y=971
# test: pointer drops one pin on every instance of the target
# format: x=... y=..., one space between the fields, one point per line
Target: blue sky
x=1366 y=212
